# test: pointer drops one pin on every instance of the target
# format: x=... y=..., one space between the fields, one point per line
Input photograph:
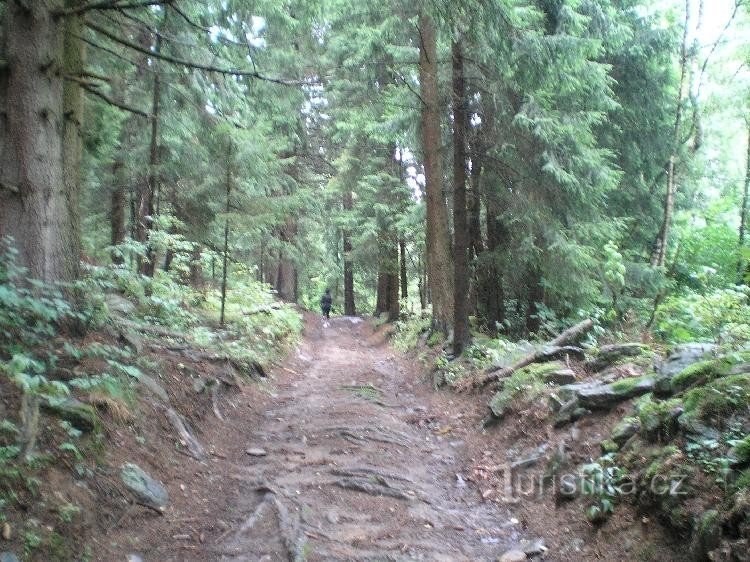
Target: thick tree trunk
x=535 y=299
x=36 y=208
x=461 y=334
x=438 y=239
x=73 y=65
x=349 y=308
x=490 y=275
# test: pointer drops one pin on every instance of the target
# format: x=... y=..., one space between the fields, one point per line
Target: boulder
x=683 y=356
x=81 y=416
x=692 y=427
x=145 y=489
x=707 y=535
x=119 y=305
x=153 y=387
x=8 y=557
x=132 y=340
x=625 y=430
x=560 y=377
x=611 y=354
x=598 y=396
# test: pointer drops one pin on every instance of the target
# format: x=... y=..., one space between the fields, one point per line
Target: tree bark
x=36 y=207
x=148 y=208
x=438 y=239
x=402 y=272
x=461 y=334
x=225 y=257
x=349 y=307
x=394 y=304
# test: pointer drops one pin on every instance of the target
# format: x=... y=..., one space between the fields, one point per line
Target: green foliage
x=721 y=316
x=409 y=331
x=720 y=398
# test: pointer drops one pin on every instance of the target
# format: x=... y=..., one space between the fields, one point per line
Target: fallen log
x=492 y=374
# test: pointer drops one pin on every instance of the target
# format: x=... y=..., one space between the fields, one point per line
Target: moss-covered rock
x=701 y=373
x=706 y=535
x=741 y=451
x=659 y=418
x=609 y=446
x=625 y=429
x=609 y=355
x=524 y=385
x=719 y=399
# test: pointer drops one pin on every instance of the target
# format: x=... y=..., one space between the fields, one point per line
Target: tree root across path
x=290 y=531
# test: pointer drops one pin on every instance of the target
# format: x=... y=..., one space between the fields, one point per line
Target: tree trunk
x=438 y=238
x=535 y=298
x=461 y=334
x=349 y=308
x=36 y=208
x=148 y=208
x=402 y=272
x=286 y=278
x=659 y=255
x=741 y=268
x=394 y=305
x=225 y=257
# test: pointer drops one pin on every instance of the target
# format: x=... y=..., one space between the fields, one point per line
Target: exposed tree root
x=363 y=472
x=194 y=447
x=362 y=435
x=378 y=487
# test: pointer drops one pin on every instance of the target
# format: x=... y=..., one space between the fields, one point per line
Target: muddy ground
x=348 y=453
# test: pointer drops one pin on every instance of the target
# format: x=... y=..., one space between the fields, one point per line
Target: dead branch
x=109 y=5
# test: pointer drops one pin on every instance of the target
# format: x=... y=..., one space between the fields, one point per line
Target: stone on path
x=513 y=556
x=147 y=490
x=256 y=452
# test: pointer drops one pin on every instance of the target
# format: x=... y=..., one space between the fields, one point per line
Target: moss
x=609 y=446
x=743 y=480
x=719 y=398
x=742 y=450
x=435 y=338
x=658 y=417
x=701 y=373
x=524 y=385
x=626 y=385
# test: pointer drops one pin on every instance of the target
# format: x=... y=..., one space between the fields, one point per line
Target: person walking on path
x=325 y=304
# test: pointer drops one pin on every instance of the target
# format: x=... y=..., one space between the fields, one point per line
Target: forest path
x=354 y=467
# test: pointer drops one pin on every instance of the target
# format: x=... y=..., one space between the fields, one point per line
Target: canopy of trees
x=512 y=166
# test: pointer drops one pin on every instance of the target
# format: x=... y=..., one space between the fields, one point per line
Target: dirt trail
x=352 y=471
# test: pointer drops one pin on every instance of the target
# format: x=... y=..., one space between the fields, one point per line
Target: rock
x=256 y=452
x=611 y=354
x=81 y=416
x=119 y=305
x=693 y=427
x=332 y=517
x=625 y=430
x=132 y=340
x=153 y=387
x=533 y=547
x=145 y=489
x=706 y=536
x=513 y=556
x=683 y=356
x=199 y=385
x=8 y=557
x=663 y=386
x=560 y=377
x=609 y=446
x=598 y=396
x=6 y=531
x=560 y=353
x=133 y=558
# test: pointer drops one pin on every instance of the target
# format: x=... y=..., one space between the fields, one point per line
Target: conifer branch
x=188 y=64
x=92 y=89
x=109 y=5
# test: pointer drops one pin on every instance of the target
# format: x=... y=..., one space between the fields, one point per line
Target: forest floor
x=348 y=453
